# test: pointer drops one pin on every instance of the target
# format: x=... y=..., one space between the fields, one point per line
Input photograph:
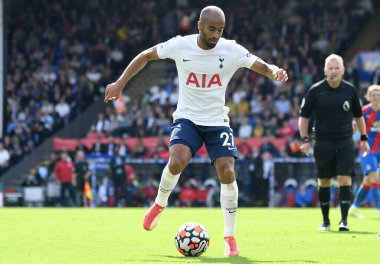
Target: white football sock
x=167 y=184
x=229 y=203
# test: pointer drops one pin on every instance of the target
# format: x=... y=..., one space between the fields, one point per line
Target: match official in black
x=335 y=104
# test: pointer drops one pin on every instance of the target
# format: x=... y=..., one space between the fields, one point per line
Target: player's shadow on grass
x=352 y=232
x=239 y=259
x=373 y=219
x=205 y=259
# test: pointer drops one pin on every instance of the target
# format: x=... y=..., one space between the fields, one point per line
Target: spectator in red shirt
x=286 y=131
x=149 y=192
x=244 y=148
x=162 y=150
x=188 y=194
x=63 y=171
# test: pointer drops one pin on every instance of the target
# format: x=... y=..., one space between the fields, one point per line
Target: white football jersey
x=203 y=77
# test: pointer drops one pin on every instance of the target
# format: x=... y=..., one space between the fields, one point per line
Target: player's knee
x=176 y=165
x=226 y=173
x=324 y=183
x=374 y=180
x=344 y=181
x=229 y=172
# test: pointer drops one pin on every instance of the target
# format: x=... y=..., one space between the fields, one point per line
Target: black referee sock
x=345 y=200
x=324 y=201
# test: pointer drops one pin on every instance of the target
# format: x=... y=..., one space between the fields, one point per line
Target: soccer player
x=370 y=163
x=335 y=104
x=205 y=64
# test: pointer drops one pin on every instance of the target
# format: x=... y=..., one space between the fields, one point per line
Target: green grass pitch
x=116 y=236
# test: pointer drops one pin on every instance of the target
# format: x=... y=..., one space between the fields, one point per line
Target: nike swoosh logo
x=231 y=210
x=184 y=60
x=230 y=148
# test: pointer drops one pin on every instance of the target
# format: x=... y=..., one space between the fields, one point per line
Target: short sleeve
x=307 y=104
x=356 y=107
x=243 y=57
x=168 y=49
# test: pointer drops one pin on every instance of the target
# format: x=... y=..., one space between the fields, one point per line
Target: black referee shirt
x=334 y=109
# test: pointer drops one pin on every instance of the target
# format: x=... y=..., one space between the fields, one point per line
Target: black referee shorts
x=334 y=157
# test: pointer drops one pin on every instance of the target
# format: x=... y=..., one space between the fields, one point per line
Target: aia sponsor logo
x=203 y=80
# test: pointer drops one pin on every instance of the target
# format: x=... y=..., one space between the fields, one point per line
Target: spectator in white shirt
x=102 y=125
x=62 y=108
x=47 y=107
x=4 y=157
x=173 y=97
x=245 y=129
x=283 y=104
x=163 y=96
x=93 y=74
x=256 y=104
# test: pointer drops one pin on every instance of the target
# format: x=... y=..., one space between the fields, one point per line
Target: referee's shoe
x=343 y=226
x=325 y=226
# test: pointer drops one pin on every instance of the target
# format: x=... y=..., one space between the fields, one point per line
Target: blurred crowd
x=117 y=184
x=60 y=55
x=97 y=179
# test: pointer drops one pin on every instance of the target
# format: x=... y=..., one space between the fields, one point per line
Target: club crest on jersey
x=221 y=62
x=346 y=106
x=202 y=81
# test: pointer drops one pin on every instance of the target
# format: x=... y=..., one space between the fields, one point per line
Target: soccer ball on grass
x=192 y=240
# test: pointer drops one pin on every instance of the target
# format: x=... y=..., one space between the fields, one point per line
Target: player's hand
x=280 y=75
x=305 y=148
x=112 y=92
x=365 y=148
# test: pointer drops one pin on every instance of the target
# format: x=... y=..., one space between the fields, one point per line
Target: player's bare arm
x=271 y=71
x=113 y=91
x=360 y=124
x=303 y=125
x=354 y=128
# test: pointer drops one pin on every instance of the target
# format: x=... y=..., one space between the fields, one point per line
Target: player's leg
x=369 y=166
x=324 y=153
x=345 y=160
x=344 y=200
x=359 y=197
x=228 y=193
x=180 y=156
x=184 y=143
x=221 y=148
x=374 y=181
x=324 y=185
x=228 y=202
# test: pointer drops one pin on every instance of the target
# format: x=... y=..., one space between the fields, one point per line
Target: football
x=192 y=240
